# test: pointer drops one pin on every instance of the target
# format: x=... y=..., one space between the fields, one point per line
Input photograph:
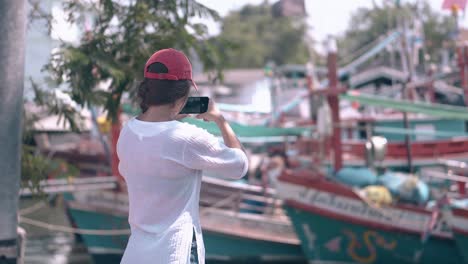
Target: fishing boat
x=456 y=206
x=240 y=222
x=338 y=223
x=435 y=131
x=424 y=153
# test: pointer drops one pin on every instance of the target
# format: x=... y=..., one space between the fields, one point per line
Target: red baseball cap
x=178 y=65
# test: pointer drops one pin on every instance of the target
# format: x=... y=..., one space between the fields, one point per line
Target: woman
x=162 y=161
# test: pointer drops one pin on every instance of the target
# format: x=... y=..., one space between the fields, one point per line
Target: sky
x=325 y=16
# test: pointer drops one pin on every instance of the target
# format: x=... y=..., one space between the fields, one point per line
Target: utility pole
x=12 y=44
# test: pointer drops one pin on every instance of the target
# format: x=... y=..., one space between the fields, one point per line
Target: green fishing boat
x=459 y=224
x=239 y=222
x=337 y=225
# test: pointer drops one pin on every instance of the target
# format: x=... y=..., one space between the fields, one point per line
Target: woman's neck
x=162 y=113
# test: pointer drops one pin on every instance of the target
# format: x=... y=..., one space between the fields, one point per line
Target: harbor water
x=48 y=246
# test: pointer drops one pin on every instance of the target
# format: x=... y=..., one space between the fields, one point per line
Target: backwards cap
x=177 y=64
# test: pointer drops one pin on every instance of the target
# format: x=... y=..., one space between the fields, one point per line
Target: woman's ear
x=180 y=103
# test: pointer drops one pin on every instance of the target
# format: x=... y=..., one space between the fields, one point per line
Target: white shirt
x=162 y=163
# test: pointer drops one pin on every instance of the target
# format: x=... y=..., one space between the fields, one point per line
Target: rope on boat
x=97 y=232
x=66 y=229
x=219 y=203
x=32 y=208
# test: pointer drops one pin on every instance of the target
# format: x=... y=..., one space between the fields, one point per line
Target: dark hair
x=160 y=92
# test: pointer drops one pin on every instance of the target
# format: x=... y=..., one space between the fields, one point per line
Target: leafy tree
x=258 y=37
x=368 y=24
x=36 y=166
x=115 y=45
x=121 y=37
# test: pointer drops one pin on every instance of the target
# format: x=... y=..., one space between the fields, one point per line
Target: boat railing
x=239 y=197
x=456 y=165
x=51 y=186
x=453 y=171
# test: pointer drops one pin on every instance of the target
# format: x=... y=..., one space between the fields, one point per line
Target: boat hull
x=459 y=222
x=335 y=224
x=462 y=244
x=227 y=247
x=219 y=245
x=328 y=239
x=103 y=249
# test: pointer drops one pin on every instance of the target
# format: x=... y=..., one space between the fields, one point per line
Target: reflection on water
x=61 y=248
x=51 y=247
x=58 y=248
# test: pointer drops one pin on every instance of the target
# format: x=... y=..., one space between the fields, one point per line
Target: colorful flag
x=451 y=4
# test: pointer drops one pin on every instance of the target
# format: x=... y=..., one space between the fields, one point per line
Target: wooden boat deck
x=256 y=227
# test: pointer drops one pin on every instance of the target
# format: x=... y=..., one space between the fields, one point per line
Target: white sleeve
x=206 y=152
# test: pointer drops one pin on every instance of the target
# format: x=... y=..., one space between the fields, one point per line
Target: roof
x=54 y=123
x=233 y=77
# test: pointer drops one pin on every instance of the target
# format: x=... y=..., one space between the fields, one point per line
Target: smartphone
x=196 y=105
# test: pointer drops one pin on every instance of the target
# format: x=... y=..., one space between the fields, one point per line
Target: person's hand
x=212 y=114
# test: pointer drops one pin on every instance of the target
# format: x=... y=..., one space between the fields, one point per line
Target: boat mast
x=334 y=103
x=462 y=59
x=406 y=61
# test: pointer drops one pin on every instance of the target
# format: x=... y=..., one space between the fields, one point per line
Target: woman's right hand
x=212 y=114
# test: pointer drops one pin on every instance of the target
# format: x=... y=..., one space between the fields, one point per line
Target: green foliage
x=257 y=37
x=124 y=35
x=368 y=24
x=56 y=106
x=36 y=167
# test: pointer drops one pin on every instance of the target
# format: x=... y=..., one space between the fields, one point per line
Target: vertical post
x=12 y=32
x=461 y=65
x=464 y=69
x=115 y=132
x=406 y=60
x=430 y=88
x=462 y=188
x=407 y=142
x=310 y=89
x=334 y=102
x=274 y=86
